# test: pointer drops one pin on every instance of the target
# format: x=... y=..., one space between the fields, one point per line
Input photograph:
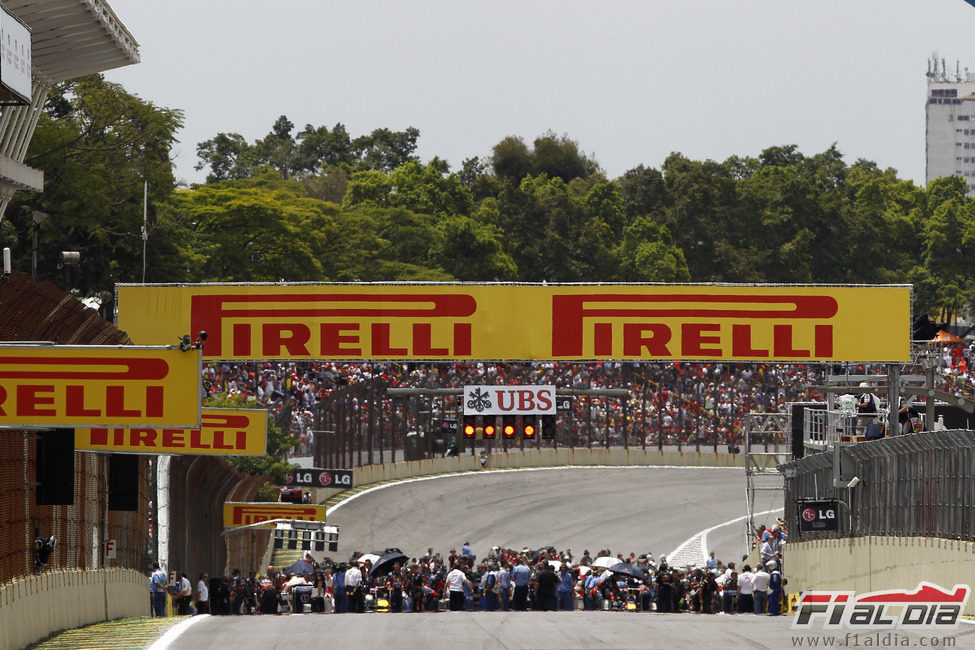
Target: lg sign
x=817 y=515
x=320 y=478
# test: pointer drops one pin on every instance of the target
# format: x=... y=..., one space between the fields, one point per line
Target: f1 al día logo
x=927 y=607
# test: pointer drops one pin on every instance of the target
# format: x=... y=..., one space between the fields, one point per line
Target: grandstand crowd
x=679 y=401
x=669 y=403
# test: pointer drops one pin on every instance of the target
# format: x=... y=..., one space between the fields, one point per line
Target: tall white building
x=950 y=121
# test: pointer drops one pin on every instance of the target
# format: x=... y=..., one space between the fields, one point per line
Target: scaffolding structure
x=768 y=444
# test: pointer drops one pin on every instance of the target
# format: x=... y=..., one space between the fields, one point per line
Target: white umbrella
x=372 y=557
x=555 y=564
x=606 y=561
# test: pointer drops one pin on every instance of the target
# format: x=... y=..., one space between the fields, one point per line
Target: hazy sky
x=629 y=81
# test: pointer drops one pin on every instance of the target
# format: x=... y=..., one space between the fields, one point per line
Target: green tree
x=228 y=156
x=97 y=145
x=313 y=150
x=949 y=254
x=643 y=193
x=272 y=463
x=648 y=254
x=385 y=150
x=704 y=211
x=426 y=189
x=258 y=229
x=551 y=155
x=470 y=250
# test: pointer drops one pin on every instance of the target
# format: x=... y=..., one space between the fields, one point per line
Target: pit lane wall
x=545 y=458
x=873 y=563
x=34 y=607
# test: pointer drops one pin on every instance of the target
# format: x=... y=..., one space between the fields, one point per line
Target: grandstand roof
x=72 y=38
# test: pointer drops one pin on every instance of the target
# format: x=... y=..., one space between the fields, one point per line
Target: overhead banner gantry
x=771 y=323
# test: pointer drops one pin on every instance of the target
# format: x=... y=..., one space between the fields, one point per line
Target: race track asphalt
x=632 y=509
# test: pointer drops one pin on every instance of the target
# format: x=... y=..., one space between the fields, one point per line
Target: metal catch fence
x=917 y=485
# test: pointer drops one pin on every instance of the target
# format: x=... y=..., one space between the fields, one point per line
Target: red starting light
x=508 y=430
x=469 y=430
x=489 y=430
x=529 y=431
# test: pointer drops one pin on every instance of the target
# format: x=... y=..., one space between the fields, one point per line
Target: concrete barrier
x=865 y=564
x=34 y=607
x=544 y=458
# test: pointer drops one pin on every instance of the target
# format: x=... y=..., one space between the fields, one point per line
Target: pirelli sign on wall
x=236 y=514
x=226 y=432
x=97 y=386
x=526 y=322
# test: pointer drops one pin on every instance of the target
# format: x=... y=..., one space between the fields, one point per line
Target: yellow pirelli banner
x=98 y=386
x=782 y=323
x=224 y=432
x=236 y=514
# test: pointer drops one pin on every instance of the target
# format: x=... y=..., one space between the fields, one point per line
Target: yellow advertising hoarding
x=781 y=323
x=108 y=386
x=224 y=432
x=236 y=514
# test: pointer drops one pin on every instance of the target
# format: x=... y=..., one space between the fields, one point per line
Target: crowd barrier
x=35 y=607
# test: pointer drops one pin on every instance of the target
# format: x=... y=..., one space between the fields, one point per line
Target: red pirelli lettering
x=246 y=514
x=73 y=368
x=210 y=312
x=570 y=312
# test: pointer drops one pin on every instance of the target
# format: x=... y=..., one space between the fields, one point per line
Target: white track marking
x=697 y=544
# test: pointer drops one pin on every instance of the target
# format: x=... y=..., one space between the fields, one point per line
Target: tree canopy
x=98 y=145
x=320 y=204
